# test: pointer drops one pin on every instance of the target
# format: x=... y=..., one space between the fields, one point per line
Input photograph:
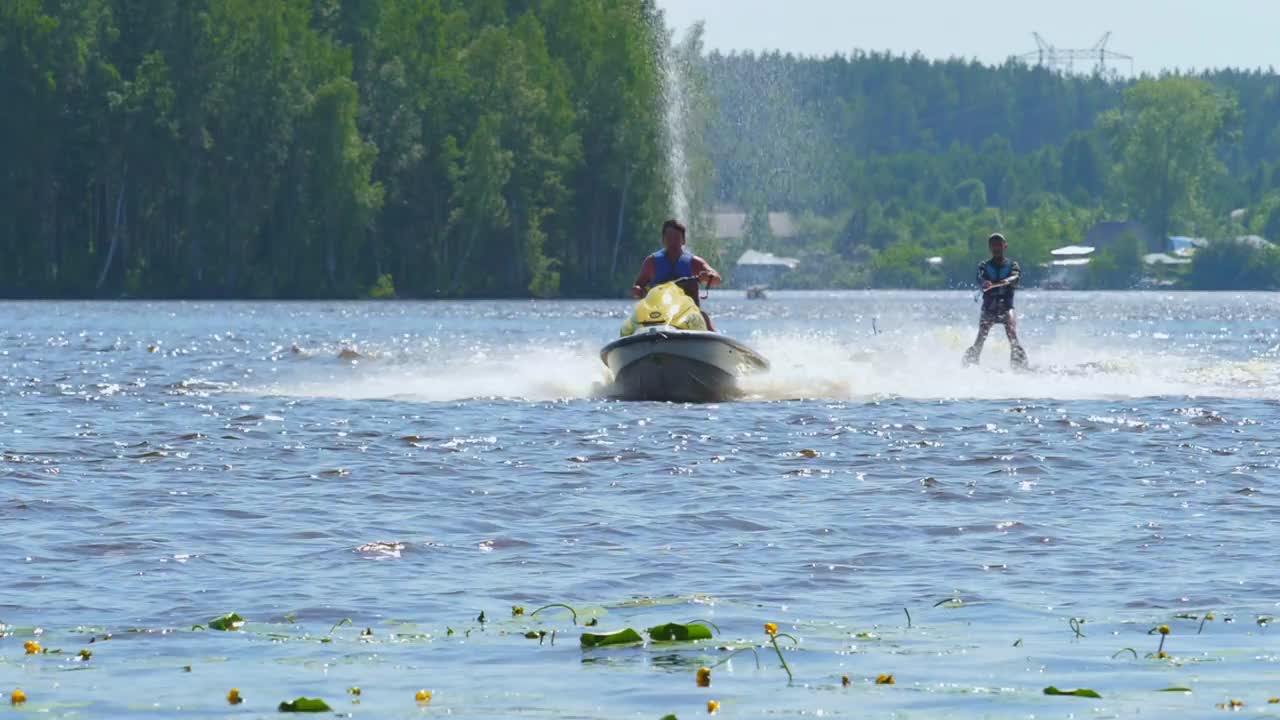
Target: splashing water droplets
x=675 y=99
x=911 y=362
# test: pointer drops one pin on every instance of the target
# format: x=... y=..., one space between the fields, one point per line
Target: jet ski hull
x=665 y=364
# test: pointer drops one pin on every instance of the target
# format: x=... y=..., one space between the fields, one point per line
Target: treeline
x=322 y=148
x=891 y=160
x=425 y=148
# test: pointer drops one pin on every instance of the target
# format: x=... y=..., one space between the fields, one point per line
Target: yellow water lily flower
x=353 y=691
x=713 y=707
x=423 y=696
x=516 y=611
x=704 y=677
x=233 y=697
x=885 y=680
x=1163 y=629
x=844 y=680
x=771 y=629
x=33 y=647
x=1274 y=701
x=18 y=697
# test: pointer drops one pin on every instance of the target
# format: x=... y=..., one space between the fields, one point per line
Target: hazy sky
x=1157 y=33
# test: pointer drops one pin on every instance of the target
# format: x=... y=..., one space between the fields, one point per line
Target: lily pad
x=1176 y=689
x=227 y=622
x=676 y=632
x=626 y=636
x=303 y=704
x=1079 y=692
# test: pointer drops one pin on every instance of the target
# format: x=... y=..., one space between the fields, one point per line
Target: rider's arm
x=701 y=266
x=983 y=282
x=1014 y=273
x=644 y=278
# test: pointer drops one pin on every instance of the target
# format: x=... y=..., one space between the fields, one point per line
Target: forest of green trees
x=888 y=160
x=444 y=148
x=328 y=148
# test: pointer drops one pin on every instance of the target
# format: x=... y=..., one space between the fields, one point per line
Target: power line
x=1064 y=60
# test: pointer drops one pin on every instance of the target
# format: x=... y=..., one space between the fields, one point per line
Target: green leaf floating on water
x=1080 y=692
x=626 y=636
x=1176 y=689
x=303 y=704
x=675 y=632
x=227 y=622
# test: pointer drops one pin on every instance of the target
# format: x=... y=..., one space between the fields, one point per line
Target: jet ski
x=666 y=353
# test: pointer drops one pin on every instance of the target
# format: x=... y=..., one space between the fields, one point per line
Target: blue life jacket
x=996 y=273
x=665 y=271
x=1001 y=298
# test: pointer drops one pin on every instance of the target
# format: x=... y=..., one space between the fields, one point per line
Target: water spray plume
x=907 y=361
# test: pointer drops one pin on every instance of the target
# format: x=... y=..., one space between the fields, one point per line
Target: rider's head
x=997 y=245
x=673 y=237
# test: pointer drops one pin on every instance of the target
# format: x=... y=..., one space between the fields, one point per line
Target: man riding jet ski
x=668 y=350
x=674 y=262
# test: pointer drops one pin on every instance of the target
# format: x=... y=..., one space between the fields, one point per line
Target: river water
x=409 y=465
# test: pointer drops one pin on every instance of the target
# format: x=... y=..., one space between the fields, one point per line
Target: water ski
x=1017 y=357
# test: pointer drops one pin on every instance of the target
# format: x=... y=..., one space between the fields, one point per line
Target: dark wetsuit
x=997 y=302
x=997 y=309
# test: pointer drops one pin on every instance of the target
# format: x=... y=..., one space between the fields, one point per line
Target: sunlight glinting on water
x=409 y=465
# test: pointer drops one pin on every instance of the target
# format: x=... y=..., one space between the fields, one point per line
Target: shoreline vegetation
x=329 y=149
x=894 y=170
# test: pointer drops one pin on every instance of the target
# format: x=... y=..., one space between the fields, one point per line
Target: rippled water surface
x=409 y=465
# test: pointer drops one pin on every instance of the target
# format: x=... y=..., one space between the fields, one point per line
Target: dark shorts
x=995 y=316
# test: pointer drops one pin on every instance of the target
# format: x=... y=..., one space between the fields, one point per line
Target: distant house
x=1163 y=269
x=1073 y=251
x=1165 y=259
x=1068 y=268
x=1256 y=242
x=761 y=268
x=1185 y=247
x=1066 y=273
x=1108 y=233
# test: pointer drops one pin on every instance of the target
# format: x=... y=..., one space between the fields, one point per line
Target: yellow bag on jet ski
x=665 y=305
